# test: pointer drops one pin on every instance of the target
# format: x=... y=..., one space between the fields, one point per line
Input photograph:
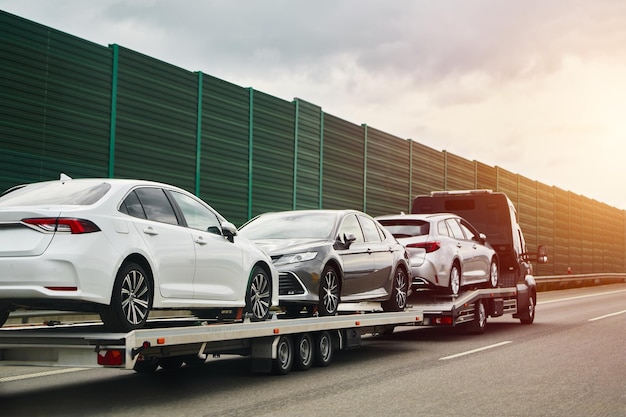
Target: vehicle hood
x=276 y=247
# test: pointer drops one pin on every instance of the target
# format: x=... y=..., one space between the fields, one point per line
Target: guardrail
x=544 y=283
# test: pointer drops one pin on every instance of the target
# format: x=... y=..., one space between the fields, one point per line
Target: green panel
x=486 y=177
x=344 y=161
x=427 y=172
x=308 y=158
x=587 y=235
x=575 y=232
x=387 y=173
x=507 y=184
x=224 y=160
x=545 y=226
x=155 y=136
x=54 y=103
x=561 y=232
x=273 y=154
x=527 y=211
x=460 y=173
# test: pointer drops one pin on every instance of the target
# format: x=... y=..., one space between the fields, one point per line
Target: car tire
x=399 y=292
x=329 y=292
x=131 y=299
x=454 y=283
x=259 y=295
x=4 y=316
x=323 y=352
x=494 y=275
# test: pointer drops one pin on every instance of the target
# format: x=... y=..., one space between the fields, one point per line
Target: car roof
x=428 y=216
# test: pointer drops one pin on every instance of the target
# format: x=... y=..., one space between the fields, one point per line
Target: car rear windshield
x=74 y=193
x=406 y=228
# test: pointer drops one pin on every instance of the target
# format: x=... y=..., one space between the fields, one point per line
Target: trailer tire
x=323 y=349
x=399 y=292
x=477 y=326
x=283 y=362
x=304 y=352
x=146 y=366
x=131 y=299
x=528 y=317
x=4 y=316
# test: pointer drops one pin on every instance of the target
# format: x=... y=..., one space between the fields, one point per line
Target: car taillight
x=427 y=246
x=62 y=224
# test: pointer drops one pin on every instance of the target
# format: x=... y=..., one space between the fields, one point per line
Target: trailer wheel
x=131 y=299
x=329 y=292
x=171 y=363
x=259 y=295
x=304 y=350
x=323 y=349
x=284 y=356
x=529 y=315
x=493 y=274
x=477 y=326
x=147 y=366
x=4 y=316
x=399 y=292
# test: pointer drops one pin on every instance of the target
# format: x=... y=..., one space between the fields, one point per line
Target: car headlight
x=293 y=258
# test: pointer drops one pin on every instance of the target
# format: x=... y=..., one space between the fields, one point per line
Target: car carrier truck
x=494 y=215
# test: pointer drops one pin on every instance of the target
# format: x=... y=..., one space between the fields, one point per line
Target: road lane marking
x=608 y=315
x=40 y=374
x=579 y=297
x=469 y=352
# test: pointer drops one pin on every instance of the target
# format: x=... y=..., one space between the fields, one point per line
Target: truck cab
x=494 y=215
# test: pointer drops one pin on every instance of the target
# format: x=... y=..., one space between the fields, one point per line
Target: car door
x=358 y=260
x=481 y=255
x=170 y=245
x=383 y=255
x=464 y=250
x=219 y=274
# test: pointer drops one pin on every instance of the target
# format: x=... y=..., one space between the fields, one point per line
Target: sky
x=535 y=87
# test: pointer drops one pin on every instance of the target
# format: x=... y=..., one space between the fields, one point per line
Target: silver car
x=325 y=257
x=446 y=251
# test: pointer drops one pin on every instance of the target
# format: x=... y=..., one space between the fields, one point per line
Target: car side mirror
x=542 y=254
x=346 y=240
x=482 y=238
x=229 y=230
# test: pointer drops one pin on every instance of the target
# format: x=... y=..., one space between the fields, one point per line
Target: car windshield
x=406 y=228
x=290 y=226
x=55 y=193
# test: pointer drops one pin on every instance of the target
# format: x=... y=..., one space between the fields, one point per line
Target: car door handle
x=200 y=241
x=458 y=245
x=150 y=231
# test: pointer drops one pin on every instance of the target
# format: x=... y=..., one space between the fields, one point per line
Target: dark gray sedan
x=325 y=257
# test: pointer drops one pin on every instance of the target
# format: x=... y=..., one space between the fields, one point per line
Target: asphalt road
x=570 y=362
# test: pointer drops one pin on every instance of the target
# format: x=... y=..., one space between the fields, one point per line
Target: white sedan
x=122 y=248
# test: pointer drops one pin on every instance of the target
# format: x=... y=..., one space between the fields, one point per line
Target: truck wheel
x=4 y=316
x=454 y=284
x=477 y=326
x=529 y=316
x=329 y=292
x=493 y=274
x=399 y=292
x=304 y=349
x=323 y=349
x=131 y=299
x=259 y=295
x=284 y=356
